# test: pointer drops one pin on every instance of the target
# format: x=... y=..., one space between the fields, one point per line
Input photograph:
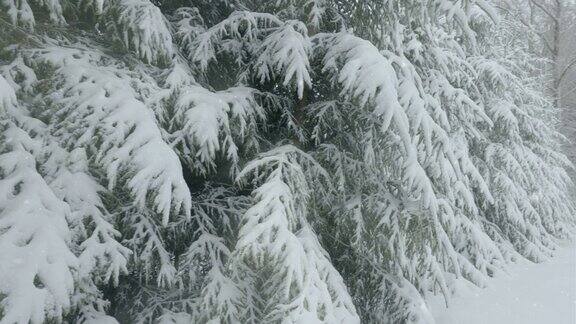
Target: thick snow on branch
x=20 y=12
x=317 y=12
x=100 y=253
x=285 y=53
x=141 y=28
x=241 y=26
x=281 y=48
x=305 y=287
x=207 y=122
x=36 y=264
x=95 y=103
x=91 y=237
x=8 y=99
x=365 y=74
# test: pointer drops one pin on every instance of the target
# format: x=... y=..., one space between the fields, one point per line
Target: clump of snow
x=141 y=28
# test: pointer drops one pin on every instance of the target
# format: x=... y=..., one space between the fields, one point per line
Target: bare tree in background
x=549 y=27
x=565 y=78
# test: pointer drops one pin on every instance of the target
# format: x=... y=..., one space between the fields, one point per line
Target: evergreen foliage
x=294 y=161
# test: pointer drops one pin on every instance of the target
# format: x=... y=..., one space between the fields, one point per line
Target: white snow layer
x=529 y=293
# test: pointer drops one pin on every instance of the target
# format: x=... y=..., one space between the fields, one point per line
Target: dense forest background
x=293 y=161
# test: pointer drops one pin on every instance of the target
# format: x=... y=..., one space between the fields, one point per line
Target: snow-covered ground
x=529 y=293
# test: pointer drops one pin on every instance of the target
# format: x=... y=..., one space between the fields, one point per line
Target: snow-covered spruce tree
x=422 y=211
x=293 y=161
x=520 y=155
